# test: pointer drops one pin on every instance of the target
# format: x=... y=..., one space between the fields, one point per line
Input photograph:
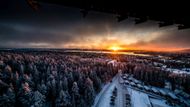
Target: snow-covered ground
x=158 y=103
x=139 y=99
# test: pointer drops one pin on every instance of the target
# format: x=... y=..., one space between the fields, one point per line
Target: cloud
x=61 y=27
x=169 y=40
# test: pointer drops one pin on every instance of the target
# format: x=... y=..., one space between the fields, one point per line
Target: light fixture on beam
x=121 y=17
x=84 y=12
x=33 y=4
x=180 y=27
x=140 y=20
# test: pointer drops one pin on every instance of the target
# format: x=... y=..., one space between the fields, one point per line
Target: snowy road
x=138 y=98
x=103 y=98
x=120 y=98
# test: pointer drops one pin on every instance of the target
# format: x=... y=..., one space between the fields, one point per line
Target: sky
x=55 y=26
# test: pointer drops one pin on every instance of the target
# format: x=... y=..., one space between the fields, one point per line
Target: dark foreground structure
x=165 y=12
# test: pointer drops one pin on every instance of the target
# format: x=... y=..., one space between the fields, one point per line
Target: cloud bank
x=60 y=27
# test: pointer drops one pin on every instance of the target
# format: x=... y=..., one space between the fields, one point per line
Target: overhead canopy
x=167 y=13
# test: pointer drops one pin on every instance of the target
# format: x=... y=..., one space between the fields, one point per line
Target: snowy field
x=158 y=103
x=139 y=99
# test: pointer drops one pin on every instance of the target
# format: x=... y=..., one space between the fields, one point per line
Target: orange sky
x=125 y=40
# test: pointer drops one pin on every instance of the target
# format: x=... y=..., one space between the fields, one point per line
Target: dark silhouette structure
x=167 y=13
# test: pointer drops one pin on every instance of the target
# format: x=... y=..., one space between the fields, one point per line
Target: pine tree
x=7 y=99
x=75 y=95
x=70 y=79
x=65 y=83
x=75 y=89
x=25 y=95
x=89 y=92
x=38 y=100
x=43 y=89
x=52 y=89
x=63 y=100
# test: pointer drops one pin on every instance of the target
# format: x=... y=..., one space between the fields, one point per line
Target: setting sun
x=115 y=48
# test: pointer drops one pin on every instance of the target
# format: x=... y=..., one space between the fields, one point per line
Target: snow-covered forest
x=46 y=79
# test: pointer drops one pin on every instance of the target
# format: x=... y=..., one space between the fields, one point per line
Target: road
x=103 y=98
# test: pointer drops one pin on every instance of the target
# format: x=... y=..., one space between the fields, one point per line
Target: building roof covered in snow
x=113 y=62
x=132 y=83
x=154 y=90
x=172 y=95
x=147 y=88
x=163 y=92
x=136 y=81
x=139 y=85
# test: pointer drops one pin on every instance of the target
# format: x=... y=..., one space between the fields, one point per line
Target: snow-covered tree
x=97 y=83
x=65 y=83
x=75 y=89
x=70 y=79
x=8 y=99
x=38 y=100
x=28 y=79
x=42 y=89
x=36 y=76
x=63 y=100
x=7 y=74
x=52 y=89
x=75 y=95
x=89 y=92
x=25 y=95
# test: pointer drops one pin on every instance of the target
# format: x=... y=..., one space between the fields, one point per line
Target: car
x=112 y=99
x=112 y=103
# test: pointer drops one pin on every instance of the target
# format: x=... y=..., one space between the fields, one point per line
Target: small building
x=185 y=95
x=126 y=82
x=147 y=88
x=124 y=77
x=132 y=83
x=130 y=78
x=163 y=92
x=136 y=81
x=172 y=95
x=154 y=90
x=140 y=86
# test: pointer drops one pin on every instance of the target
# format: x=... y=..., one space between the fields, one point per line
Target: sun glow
x=115 y=48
